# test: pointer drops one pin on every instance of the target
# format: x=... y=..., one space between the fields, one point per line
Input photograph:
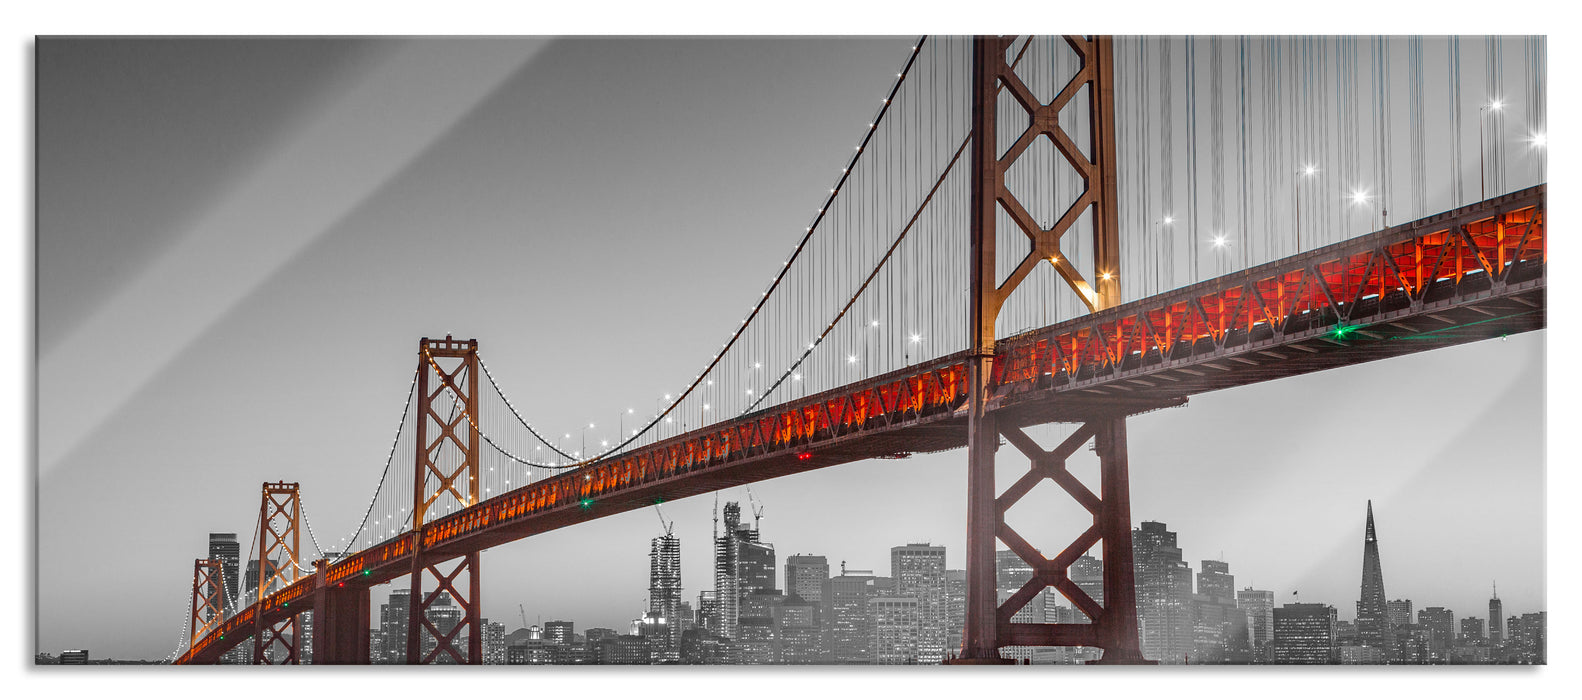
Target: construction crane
x=669 y=526
x=524 y=614
x=758 y=510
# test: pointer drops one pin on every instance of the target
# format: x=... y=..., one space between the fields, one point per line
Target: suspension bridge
x=1030 y=231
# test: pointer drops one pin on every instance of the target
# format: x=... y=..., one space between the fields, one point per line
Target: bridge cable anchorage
x=664 y=415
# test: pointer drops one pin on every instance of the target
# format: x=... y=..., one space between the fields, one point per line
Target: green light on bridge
x=1342 y=331
x=366 y=572
x=587 y=503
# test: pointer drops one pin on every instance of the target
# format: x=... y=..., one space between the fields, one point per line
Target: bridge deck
x=1469 y=274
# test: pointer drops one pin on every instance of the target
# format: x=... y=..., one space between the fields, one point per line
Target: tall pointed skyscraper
x=1496 y=615
x=1373 y=619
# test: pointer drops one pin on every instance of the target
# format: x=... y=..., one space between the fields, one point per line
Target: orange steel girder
x=208 y=598
x=279 y=528
x=446 y=366
x=988 y=626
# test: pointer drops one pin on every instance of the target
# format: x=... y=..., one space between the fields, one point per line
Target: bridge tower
x=208 y=598
x=447 y=465
x=279 y=541
x=988 y=623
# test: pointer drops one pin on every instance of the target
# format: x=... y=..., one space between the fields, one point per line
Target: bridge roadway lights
x=340 y=621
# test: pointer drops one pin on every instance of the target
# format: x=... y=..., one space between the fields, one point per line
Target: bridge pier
x=340 y=621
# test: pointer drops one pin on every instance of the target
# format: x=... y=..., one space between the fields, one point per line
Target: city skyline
x=1202 y=576
x=1285 y=474
x=1214 y=583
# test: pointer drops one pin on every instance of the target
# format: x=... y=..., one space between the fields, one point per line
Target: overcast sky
x=241 y=242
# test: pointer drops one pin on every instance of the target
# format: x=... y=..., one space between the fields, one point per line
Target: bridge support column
x=208 y=598
x=279 y=541
x=340 y=621
x=446 y=474
x=1117 y=626
x=988 y=622
x=421 y=623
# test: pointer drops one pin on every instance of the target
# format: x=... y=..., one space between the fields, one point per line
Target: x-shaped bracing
x=1044 y=120
x=283 y=633
x=445 y=583
x=1048 y=464
x=208 y=597
x=460 y=414
x=273 y=539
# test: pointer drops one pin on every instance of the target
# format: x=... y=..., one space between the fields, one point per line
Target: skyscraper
x=1398 y=612
x=1304 y=633
x=955 y=609
x=755 y=641
x=664 y=596
x=1216 y=581
x=807 y=577
x=1259 y=606
x=393 y=622
x=796 y=633
x=1441 y=625
x=727 y=581
x=1496 y=614
x=560 y=632
x=493 y=643
x=919 y=572
x=1527 y=638
x=1164 y=592
x=709 y=612
x=851 y=628
x=742 y=565
x=897 y=626
x=755 y=565
x=1373 y=622
x=1471 y=630
x=1219 y=626
x=223 y=546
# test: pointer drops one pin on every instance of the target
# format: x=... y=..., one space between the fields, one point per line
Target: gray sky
x=240 y=244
